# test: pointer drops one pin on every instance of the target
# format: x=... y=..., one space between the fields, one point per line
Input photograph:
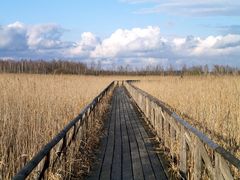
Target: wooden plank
x=126 y=153
x=107 y=162
x=146 y=164
x=117 y=159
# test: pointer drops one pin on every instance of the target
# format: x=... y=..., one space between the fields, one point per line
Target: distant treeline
x=42 y=67
x=73 y=67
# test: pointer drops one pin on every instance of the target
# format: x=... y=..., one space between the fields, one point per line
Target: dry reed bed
x=33 y=108
x=210 y=103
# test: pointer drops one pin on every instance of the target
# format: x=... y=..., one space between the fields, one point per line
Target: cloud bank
x=136 y=47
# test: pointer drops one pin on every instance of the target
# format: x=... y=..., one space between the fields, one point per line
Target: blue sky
x=89 y=31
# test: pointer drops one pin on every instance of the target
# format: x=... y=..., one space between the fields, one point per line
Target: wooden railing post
x=197 y=165
x=223 y=167
x=166 y=132
x=74 y=132
x=155 y=119
x=150 y=113
x=163 y=128
x=146 y=107
x=45 y=167
x=160 y=122
x=172 y=140
x=183 y=152
x=141 y=101
x=218 y=175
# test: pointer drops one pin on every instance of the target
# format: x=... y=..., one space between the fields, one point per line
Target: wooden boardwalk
x=126 y=151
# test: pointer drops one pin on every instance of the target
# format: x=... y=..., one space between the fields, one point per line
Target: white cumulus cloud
x=133 y=42
x=86 y=45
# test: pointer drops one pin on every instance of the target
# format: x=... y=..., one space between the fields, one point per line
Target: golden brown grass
x=210 y=103
x=33 y=108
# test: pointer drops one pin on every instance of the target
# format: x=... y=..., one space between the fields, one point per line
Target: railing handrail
x=33 y=163
x=204 y=138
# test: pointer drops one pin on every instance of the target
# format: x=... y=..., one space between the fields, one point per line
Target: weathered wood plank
x=107 y=162
x=136 y=161
x=126 y=153
x=117 y=154
x=146 y=164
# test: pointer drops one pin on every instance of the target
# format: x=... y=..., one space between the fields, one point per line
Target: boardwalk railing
x=195 y=154
x=76 y=130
